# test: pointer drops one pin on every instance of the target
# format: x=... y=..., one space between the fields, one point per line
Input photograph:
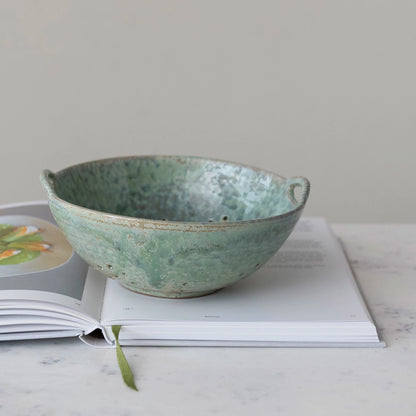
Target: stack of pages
x=305 y=296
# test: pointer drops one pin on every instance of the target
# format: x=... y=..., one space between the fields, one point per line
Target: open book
x=305 y=296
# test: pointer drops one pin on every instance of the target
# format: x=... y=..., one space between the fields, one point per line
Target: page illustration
x=29 y=244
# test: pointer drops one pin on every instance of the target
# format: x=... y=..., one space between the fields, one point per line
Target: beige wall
x=324 y=89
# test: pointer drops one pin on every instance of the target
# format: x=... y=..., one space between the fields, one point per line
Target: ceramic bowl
x=174 y=226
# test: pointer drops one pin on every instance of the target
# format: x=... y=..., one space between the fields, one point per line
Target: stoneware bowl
x=174 y=226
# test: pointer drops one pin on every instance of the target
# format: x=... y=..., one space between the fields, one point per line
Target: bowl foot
x=169 y=295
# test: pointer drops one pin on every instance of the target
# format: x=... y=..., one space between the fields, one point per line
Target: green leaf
x=125 y=369
x=22 y=257
x=25 y=239
x=5 y=229
x=19 y=232
x=28 y=238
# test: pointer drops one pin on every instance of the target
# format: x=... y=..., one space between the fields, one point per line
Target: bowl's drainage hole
x=223 y=218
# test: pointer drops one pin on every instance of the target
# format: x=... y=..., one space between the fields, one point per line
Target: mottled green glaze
x=174 y=226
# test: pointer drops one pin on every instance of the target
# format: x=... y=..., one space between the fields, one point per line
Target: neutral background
x=323 y=89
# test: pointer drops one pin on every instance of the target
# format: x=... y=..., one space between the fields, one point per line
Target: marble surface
x=66 y=377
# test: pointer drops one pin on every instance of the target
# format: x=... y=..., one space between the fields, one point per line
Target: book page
x=37 y=264
x=308 y=280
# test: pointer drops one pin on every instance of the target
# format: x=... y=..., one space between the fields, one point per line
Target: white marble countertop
x=66 y=377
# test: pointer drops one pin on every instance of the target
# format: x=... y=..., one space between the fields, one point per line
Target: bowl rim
x=47 y=176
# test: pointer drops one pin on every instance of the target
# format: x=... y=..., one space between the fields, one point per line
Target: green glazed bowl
x=174 y=226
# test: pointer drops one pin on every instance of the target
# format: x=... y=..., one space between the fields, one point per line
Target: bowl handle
x=293 y=183
x=47 y=180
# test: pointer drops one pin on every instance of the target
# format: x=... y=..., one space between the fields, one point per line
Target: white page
x=35 y=333
x=308 y=280
x=31 y=316
x=56 y=280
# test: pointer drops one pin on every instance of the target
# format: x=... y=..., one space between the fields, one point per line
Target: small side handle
x=47 y=180
x=304 y=184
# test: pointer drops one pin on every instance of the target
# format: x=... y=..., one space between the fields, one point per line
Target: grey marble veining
x=65 y=377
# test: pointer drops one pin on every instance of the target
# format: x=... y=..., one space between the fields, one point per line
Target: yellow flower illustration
x=20 y=244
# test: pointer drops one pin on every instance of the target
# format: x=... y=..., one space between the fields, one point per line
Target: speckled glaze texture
x=172 y=226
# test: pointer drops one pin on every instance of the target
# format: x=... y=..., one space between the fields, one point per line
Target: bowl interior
x=174 y=188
